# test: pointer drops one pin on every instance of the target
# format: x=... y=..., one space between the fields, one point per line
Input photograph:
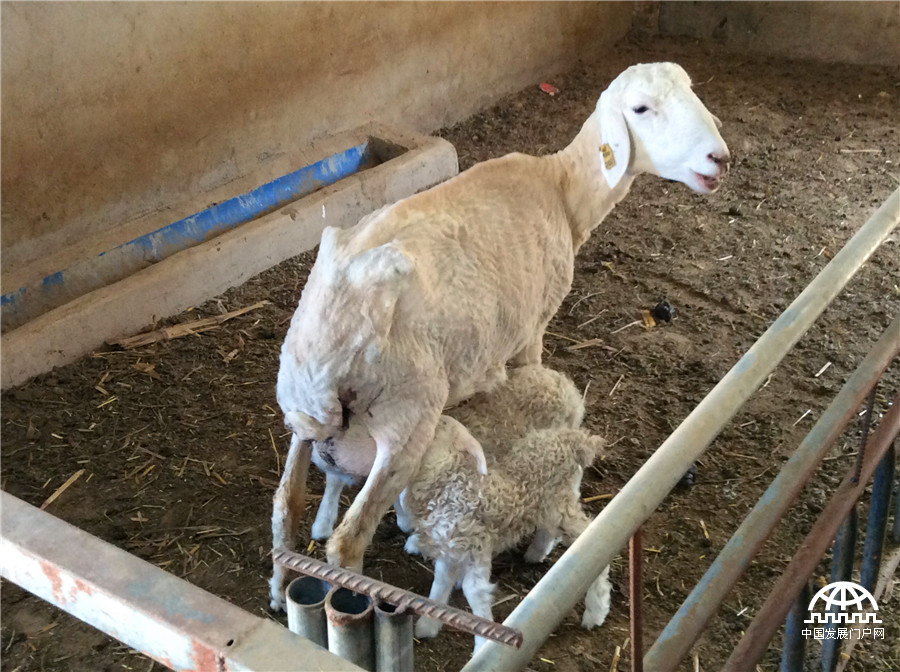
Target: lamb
x=535 y=455
x=462 y=521
x=423 y=303
x=532 y=398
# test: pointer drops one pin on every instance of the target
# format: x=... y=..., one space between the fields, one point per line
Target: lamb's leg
x=446 y=574
x=287 y=509
x=544 y=541
x=597 y=599
x=328 y=507
x=596 y=602
x=391 y=473
x=531 y=353
x=479 y=592
x=403 y=521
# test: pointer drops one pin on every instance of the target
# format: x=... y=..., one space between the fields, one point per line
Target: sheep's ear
x=717 y=121
x=380 y=265
x=615 y=138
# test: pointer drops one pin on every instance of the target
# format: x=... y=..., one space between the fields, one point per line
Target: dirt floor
x=178 y=440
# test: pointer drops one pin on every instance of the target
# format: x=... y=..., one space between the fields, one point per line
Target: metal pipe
x=166 y=618
x=876 y=526
x=793 y=651
x=455 y=618
x=760 y=632
x=841 y=570
x=351 y=627
x=635 y=593
x=896 y=531
x=305 y=598
x=393 y=639
x=707 y=596
x=544 y=608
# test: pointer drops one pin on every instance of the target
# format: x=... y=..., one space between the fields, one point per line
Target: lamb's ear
x=717 y=122
x=380 y=265
x=614 y=137
x=469 y=444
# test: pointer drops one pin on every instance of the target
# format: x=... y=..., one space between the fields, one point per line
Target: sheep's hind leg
x=391 y=473
x=328 y=507
x=287 y=508
x=597 y=599
x=479 y=592
x=446 y=574
x=543 y=543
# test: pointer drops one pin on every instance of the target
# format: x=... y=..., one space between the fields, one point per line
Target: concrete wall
x=112 y=110
x=838 y=32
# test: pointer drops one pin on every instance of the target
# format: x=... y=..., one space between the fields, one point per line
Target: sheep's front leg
x=479 y=592
x=446 y=574
x=391 y=473
x=328 y=507
x=287 y=509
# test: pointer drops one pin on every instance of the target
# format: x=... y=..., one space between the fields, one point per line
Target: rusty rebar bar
x=402 y=599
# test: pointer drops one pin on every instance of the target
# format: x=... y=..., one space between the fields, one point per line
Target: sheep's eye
x=640 y=109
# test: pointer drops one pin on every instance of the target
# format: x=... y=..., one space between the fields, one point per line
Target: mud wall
x=838 y=32
x=113 y=110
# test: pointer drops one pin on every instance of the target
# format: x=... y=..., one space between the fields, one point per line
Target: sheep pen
x=182 y=443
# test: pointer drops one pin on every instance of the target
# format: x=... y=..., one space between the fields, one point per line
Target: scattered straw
x=277 y=456
x=596 y=498
x=61 y=489
x=183 y=329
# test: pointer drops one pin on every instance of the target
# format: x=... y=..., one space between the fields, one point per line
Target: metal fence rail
x=166 y=618
x=709 y=593
x=544 y=608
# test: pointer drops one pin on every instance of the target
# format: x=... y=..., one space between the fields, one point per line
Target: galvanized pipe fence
x=544 y=608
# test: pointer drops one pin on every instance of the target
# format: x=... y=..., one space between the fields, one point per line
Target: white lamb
x=423 y=303
x=462 y=520
x=535 y=455
x=533 y=397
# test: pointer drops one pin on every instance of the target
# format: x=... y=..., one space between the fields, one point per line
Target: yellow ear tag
x=609 y=160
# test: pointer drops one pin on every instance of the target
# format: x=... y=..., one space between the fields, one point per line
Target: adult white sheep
x=422 y=303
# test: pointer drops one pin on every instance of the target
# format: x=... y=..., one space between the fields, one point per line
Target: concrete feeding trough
x=59 y=308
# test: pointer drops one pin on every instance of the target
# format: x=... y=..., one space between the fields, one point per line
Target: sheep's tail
x=586 y=448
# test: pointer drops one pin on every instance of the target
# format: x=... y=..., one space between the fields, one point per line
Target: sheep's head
x=652 y=121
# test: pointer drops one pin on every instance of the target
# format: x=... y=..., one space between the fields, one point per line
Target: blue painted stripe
x=221 y=217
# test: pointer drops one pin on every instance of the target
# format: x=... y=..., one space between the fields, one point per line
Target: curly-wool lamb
x=533 y=397
x=462 y=520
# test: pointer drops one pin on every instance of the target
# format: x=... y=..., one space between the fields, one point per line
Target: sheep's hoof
x=687 y=480
x=412 y=545
x=594 y=619
x=321 y=532
x=534 y=556
x=427 y=628
x=277 y=604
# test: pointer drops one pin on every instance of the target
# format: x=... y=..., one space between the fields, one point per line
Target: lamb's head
x=651 y=121
x=345 y=313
